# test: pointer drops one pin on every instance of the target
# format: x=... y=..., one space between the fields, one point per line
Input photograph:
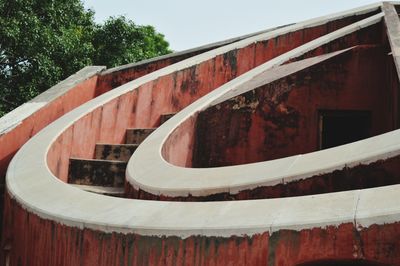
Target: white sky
x=188 y=24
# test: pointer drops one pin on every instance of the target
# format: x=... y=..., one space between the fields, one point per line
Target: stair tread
x=123 y=144
x=141 y=128
x=97 y=160
x=166 y=114
x=100 y=189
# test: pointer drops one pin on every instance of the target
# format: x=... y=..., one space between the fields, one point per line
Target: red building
x=276 y=148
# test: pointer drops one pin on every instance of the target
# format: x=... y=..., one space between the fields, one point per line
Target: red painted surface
x=108 y=81
x=284 y=122
x=282 y=118
x=35 y=241
x=228 y=137
x=13 y=140
x=81 y=93
x=381 y=173
x=182 y=139
x=143 y=107
x=76 y=96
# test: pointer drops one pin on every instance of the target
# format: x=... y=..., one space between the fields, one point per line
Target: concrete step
x=109 y=191
x=165 y=117
x=94 y=172
x=118 y=152
x=137 y=135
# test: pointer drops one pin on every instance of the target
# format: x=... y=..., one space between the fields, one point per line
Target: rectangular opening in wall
x=338 y=127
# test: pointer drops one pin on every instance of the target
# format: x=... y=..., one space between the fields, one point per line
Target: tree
x=44 y=41
x=119 y=41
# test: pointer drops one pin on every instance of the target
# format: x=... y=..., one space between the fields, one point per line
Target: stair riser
x=97 y=173
x=164 y=118
x=137 y=136
x=114 y=152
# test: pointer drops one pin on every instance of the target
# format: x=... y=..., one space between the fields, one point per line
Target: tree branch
x=9 y=102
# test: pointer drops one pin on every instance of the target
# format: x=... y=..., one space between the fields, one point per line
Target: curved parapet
x=49 y=222
x=86 y=84
x=168 y=180
x=18 y=126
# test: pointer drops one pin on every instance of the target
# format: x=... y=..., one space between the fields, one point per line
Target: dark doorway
x=342 y=127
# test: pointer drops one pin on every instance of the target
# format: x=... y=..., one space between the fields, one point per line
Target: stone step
x=118 y=152
x=165 y=117
x=109 y=191
x=137 y=135
x=94 y=172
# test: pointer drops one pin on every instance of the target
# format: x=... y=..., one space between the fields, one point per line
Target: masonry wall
x=190 y=158
x=80 y=93
x=12 y=141
x=282 y=118
x=37 y=241
x=142 y=107
x=31 y=240
x=76 y=95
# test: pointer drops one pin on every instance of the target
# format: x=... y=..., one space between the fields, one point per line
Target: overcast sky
x=188 y=23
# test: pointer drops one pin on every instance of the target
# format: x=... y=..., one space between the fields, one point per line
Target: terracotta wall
x=241 y=61
x=228 y=136
x=121 y=75
x=377 y=174
x=41 y=242
x=282 y=118
x=142 y=107
x=13 y=140
x=79 y=94
x=35 y=241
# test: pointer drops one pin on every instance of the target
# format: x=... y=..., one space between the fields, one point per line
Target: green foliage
x=119 y=41
x=44 y=41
